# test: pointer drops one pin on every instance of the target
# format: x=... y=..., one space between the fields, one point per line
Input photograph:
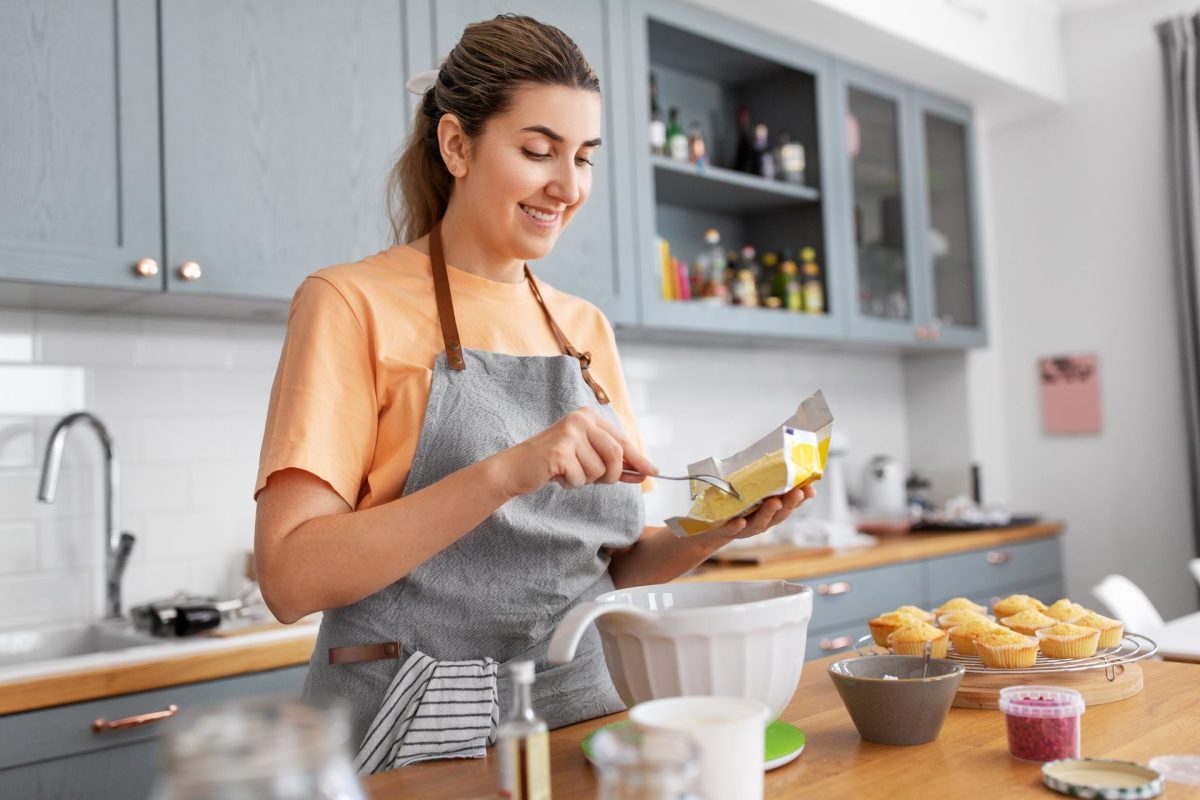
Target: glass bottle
x=658 y=128
x=697 y=152
x=743 y=158
x=766 y=280
x=764 y=159
x=644 y=764
x=522 y=743
x=265 y=748
x=677 y=142
x=789 y=284
x=811 y=284
x=791 y=159
x=714 y=289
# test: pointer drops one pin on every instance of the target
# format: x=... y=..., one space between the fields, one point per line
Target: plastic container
x=1043 y=722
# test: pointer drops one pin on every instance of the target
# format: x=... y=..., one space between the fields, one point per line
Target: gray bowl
x=909 y=710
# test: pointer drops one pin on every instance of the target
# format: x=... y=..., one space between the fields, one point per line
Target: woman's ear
x=454 y=144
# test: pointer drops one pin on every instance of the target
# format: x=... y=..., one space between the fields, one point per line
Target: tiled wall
x=185 y=402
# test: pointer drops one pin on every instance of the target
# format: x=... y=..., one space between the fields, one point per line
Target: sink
x=46 y=642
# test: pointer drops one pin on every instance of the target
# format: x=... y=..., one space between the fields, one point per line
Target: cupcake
x=1111 y=630
x=910 y=641
x=1015 y=604
x=959 y=604
x=1028 y=621
x=1065 y=640
x=919 y=613
x=885 y=624
x=953 y=618
x=1065 y=611
x=963 y=636
x=1005 y=649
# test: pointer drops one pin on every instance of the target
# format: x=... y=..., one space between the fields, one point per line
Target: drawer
x=66 y=730
x=835 y=641
x=853 y=597
x=980 y=573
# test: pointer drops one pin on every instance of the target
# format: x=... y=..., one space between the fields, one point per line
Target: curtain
x=1178 y=37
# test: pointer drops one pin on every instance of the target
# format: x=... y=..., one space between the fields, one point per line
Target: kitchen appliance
x=183 y=614
x=735 y=638
x=884 y=493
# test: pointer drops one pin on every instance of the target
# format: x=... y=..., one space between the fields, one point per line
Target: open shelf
x=723 y=190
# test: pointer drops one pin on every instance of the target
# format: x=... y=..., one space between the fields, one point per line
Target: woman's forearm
x=660 y=556
x=335 y=559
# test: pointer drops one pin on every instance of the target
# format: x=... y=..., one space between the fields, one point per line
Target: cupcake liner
x=1007 y=656
x=1082 y=646
x=939 y=649
x=1111 y=637
x=963 y=644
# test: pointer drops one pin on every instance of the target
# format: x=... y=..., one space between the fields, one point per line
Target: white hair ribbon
x=420 y=83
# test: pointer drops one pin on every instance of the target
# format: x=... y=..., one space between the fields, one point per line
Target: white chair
x=1194 y=566
x=1128 y=603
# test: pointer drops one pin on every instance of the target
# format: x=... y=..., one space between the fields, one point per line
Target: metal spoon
x=928 y=650
x=711 y=480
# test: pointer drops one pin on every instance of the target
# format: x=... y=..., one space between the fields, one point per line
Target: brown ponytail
x=475 y=83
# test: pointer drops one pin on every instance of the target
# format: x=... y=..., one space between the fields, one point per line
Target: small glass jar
x=633 y=763
x=1043 y=722
x=266 y=748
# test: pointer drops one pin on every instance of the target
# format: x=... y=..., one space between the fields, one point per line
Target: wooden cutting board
x=766 y=553
x=983 y=690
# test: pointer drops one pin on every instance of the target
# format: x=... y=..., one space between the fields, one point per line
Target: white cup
x=731 y=735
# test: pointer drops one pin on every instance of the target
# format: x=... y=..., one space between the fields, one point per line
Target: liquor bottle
x=745 y=291
x=522 y=744
x=764 y=159
x=743 y=158
x=791 y=159
x=658 y=128
x=787 y=284
x=813 y=289
x=714 y=289
x=766 y=280
x=677 y=143
x=697 y=152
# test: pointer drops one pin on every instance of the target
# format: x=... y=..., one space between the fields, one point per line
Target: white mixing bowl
x=741 y=638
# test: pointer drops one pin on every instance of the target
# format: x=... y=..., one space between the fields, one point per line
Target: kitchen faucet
x=117 y=544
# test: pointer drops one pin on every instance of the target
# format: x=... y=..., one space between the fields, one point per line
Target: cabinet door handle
x=839 y=643
x=998 y=557
x=146 y=268
x=830 y=589
x=190 y=271
x=137 y=720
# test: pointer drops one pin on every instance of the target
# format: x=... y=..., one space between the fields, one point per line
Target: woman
x=441 y=472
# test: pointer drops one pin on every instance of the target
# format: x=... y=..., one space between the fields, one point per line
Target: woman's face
x=530 y=169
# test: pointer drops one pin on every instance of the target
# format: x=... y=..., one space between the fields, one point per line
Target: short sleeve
x=323 y=412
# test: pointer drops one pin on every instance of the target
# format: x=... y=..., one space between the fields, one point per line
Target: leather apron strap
x=445 y=306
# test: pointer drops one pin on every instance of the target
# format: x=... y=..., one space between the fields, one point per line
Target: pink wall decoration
x=1070 y=394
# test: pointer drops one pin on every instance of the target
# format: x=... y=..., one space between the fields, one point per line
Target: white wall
x=1077 y=230
x=186 y=399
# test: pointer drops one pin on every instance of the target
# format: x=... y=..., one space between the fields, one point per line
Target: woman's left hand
x=773 y=511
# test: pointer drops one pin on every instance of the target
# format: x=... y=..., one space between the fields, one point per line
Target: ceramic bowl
x=906 y=710
x=738 y=638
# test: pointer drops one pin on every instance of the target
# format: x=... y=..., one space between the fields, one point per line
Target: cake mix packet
x=794 y=454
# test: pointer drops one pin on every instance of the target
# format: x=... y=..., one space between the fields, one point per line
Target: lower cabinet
x=55 y=752
x=844 y=602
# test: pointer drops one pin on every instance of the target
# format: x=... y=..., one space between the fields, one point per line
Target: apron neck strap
x=445 y=307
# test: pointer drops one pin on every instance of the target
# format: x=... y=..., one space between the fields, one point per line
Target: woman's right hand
x=581 y=448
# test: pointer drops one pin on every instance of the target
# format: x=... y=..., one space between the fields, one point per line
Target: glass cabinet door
x=878 y=221
x=950 y=241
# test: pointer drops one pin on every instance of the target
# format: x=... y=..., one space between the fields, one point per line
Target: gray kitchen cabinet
x=281 y=119
x=79 y=176
x=980 y=574
x=54 y=753
x=852 y=596
x=594 y=257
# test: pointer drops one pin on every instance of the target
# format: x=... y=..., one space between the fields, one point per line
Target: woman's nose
x=564 y=187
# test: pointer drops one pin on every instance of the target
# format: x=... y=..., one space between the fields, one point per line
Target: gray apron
x=500 y=590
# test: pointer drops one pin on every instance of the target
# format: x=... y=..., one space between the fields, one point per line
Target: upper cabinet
x=718 y=83
x=79 y=177
x=280 y=122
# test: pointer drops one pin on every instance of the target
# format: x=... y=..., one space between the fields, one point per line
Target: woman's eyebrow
x=550 y=134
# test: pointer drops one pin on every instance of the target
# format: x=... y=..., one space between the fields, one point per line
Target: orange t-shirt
x=349 y=396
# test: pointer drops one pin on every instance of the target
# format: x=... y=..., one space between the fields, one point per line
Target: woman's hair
x=475 y=83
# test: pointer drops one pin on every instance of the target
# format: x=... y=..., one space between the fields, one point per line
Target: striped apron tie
x=432 y=709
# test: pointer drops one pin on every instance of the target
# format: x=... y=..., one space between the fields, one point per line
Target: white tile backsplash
x=186 y=401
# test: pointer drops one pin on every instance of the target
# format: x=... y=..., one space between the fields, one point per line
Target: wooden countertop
x=894 y=550
x=167 y=667
x=969 y=758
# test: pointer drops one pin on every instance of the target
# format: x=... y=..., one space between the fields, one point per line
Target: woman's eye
x=536 y=156
x=582 y=160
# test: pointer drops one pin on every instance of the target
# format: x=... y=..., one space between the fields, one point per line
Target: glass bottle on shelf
x=745 y=289
x=677 y=142
x=522 y=743
x=743 y=158
x=658 y=127
x=766 y=280
x=697 y=152
x=764 y=159
x=811 y=284
x=791 y=159
x=714 y=290
x=793 y=296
